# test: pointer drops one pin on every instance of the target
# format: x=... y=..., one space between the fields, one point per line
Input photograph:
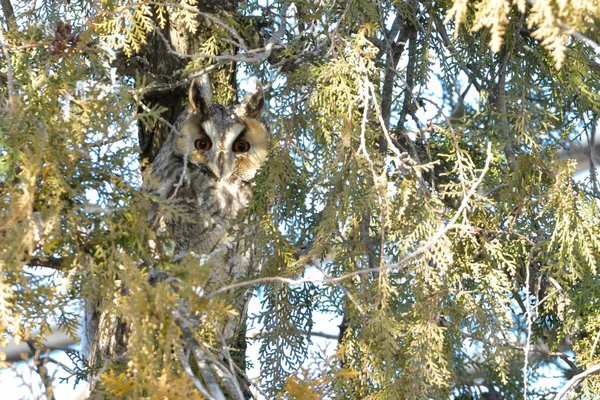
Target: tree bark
x=160 y=66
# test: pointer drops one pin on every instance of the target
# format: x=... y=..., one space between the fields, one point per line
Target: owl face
x=227 y=142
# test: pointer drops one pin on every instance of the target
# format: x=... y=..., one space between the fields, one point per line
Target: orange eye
x=202 y=144
x=241 y=146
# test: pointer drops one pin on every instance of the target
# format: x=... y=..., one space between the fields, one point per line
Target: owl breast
x=209 y=207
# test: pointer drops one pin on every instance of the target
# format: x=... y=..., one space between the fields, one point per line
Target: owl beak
x=221 y=162
x=221 y=167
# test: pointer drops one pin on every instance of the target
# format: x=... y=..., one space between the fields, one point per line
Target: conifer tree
x=421 y=162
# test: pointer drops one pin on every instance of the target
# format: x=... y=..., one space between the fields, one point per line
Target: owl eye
x=202 y=144
x=241 y=146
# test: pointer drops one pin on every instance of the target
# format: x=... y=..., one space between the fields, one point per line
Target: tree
x=414 y=163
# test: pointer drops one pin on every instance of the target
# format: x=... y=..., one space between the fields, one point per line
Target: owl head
x=226 y=141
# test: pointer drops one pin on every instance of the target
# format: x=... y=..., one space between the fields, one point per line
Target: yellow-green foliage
x=552 y=21
x=443 y=239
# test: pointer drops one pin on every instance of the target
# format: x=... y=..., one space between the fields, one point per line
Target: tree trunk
x=158 y=67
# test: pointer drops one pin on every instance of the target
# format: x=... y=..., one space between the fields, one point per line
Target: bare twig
x=529 y=323
x=262 y=335
x=593 y=350
x=574 y=381
x=10 y=77
x=235 y=383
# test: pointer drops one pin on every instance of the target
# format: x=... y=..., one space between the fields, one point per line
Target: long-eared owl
x=207 y=165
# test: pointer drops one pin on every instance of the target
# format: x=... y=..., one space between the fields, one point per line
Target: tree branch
x=10 y=77
x=509 y=150
x=9 y=14
x=56 y=263
x=574 y=381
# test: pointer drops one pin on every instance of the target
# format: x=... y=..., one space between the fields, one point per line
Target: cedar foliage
x=463 y=241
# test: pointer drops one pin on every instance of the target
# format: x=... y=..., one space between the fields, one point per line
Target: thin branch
x=336 y=27
x=546 y=353
x=346 y=292
x=183 y=176
x=235 y=383
x=9 y=14
x=240 y=42
x=409 y=34
x=576 y=34
x=39 y=363
x=262 y=335
x=403 y=159
x=168 y=87
x=201 y=359
x=10 y=77
x=432 y=241
x=188 y=371
x=393 y=52
x=450 y=46
x=254 y=55
x=56 y=263
x=529 y=323
x=591 y=139
x=582 y=38
x=574 y=381
x=593 y=350
x=509 y=150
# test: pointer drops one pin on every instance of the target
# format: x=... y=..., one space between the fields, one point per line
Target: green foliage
x=443 y=239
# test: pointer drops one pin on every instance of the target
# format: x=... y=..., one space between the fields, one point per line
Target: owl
x=207 y=165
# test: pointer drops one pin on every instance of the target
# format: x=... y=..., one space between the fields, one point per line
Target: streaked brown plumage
x=206 y=166
x=224 y=148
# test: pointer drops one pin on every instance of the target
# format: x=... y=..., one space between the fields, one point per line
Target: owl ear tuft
x=253 y=101
x=200 y=94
